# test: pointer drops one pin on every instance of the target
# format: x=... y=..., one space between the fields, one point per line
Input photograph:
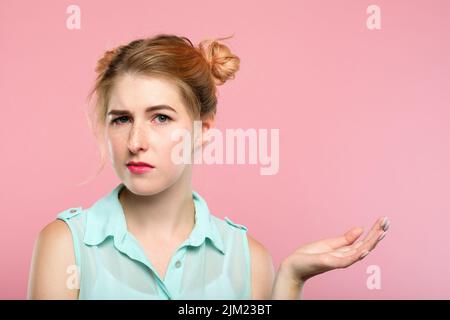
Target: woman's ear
x=207 y=124
x=201 y=133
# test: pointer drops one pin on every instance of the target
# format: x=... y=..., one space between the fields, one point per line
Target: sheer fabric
x=213 y=263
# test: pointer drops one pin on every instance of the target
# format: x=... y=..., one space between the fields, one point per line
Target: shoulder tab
x=239 y=226
x=69 y=213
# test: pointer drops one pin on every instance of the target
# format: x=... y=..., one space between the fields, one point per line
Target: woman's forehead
x=136 y=92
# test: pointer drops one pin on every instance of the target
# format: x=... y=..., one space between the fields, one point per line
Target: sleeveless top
x=213 y=263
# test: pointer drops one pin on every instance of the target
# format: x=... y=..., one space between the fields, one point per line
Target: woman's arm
x=52 y=263
x=263 y=276
x=262 y=270
x=310 y=260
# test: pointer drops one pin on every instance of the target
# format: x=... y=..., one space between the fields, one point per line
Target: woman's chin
x=142 y=186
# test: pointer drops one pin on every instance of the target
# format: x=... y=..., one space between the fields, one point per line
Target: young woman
x=152 y=236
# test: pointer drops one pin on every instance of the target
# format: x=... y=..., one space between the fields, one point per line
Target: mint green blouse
x=213 y=263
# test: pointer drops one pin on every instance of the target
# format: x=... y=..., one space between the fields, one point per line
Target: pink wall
x=364 y=119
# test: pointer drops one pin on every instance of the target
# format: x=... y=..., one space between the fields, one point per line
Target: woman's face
x=134 y=134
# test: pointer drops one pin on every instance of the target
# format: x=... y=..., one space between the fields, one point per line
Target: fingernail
x=385 y=224
x=381 y=236
x=365 y=253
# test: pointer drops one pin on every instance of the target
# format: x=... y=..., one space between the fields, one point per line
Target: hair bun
x=105 y=61
x=223 y=63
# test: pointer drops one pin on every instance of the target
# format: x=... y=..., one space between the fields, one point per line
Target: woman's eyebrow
x=148 y=109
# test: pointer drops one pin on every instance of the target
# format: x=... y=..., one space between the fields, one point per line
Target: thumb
x=353 y=234
x=346 y=239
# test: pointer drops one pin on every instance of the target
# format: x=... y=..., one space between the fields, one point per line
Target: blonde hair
x=196 y=71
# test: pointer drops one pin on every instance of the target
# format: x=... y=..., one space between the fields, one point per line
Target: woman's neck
x=167 y=215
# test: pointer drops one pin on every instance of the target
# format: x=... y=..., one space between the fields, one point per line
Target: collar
x=106 y=218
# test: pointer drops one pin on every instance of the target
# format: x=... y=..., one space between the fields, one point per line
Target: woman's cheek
x=168 y=150
x=173 y=142
x=116 y=150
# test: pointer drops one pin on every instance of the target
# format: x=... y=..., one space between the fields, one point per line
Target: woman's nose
x=138 y=139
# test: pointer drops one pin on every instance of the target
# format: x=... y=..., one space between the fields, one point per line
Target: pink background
x=364 y=119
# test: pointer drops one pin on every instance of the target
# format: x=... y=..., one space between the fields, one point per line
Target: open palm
x=320 y=256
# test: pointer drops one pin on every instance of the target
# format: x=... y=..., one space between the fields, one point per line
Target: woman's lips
x=139 y=169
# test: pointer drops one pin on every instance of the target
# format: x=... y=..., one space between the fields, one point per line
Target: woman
x=152 y=236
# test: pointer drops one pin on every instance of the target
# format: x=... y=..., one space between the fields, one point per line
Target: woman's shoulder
x=56 y=235
x=52 y=256
x=228 y=223
x=56 y=230
x=258 y=251
x=54 y=243
x=71 y=213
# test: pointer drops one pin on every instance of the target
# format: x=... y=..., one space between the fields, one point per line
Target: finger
x=371 y=243
x=347 y=239
x=382 y=222
x=355 y=245
x=352 y=249
x=349 y=250
x=335 y=260
x=338 y=253
x=345 y=259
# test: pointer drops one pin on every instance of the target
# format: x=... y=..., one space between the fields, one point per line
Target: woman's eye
x=117 y=120
x=162 y=118
x=123 y=119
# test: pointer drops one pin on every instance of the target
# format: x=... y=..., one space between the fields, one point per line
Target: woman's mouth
x=139 y=167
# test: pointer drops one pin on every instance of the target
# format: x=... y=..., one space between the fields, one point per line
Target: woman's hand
x=331 y=253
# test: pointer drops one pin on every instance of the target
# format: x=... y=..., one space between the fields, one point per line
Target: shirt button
x=73 y=210
x=178 y=264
